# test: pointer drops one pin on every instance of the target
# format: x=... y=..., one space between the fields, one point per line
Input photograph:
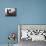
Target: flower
x=12 y=36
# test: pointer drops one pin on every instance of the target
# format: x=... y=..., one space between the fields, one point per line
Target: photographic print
x=29 y=34
x=33 y=32
x=10 y=11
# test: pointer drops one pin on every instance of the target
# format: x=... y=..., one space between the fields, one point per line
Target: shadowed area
x=34 y=43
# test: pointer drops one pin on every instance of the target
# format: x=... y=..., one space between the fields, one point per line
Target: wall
x=28 y=12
